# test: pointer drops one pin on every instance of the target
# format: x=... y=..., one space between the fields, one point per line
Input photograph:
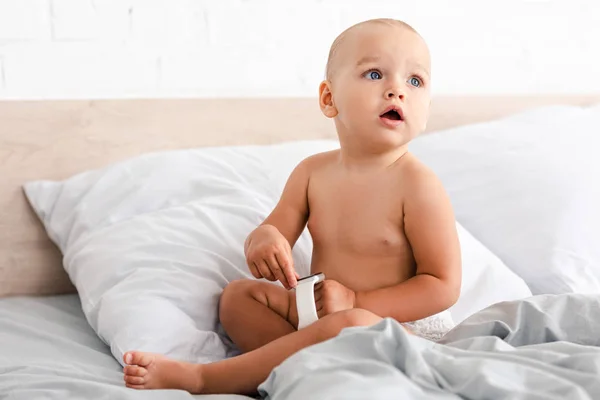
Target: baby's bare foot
x=154 y=371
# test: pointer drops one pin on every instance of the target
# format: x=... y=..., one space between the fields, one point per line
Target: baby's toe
x=135 y=386
x=134 y=380
x=138 y=358
x=132 y=370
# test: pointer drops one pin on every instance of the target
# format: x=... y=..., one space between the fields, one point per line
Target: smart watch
x=305 y=299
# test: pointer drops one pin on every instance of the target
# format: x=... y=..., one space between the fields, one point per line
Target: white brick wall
x=24 y=20
x=206 y=48
x=89 y=20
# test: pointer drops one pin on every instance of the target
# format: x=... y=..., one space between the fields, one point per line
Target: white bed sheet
x=49 y=351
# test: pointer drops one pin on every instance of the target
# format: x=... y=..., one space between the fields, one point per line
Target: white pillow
x=151 y=242
x=527 y=187
x=485 y=281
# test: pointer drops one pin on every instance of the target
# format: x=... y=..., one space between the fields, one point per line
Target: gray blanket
x=539 y=348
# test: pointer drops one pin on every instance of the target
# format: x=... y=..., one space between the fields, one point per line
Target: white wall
x=180 y=48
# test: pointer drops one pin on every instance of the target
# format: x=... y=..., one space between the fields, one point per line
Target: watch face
x=309 y=276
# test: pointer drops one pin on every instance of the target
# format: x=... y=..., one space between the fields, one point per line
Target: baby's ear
x=326 y=100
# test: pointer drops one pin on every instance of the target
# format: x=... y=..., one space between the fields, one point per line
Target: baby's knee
x=243 y=289
x=237 y=287
x=348 y=318
x=356 y=317
x=238 y=292
x=233 y=293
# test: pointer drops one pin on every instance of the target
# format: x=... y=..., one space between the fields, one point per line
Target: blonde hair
x=338 y=40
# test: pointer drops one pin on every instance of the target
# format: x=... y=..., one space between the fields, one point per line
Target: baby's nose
x=391 y=93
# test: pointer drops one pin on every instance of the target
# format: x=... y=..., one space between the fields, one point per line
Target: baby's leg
x=254 y=313
x=241 y=374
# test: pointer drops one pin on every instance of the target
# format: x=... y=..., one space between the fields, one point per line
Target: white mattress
x=48 y=351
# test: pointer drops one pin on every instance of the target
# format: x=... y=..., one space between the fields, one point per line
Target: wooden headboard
x=56 y=139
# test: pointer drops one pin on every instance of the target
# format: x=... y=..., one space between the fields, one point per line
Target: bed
x=48 y=348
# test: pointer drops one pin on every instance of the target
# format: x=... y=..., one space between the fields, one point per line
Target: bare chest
x=362 y=218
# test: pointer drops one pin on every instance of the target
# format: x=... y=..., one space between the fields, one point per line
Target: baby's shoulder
x=416 y=174
x=319 y=161
x=305 y=170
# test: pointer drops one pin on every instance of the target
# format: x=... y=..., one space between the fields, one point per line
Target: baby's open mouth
x=392 y=114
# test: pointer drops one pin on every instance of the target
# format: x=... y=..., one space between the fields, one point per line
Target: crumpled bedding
x=543 y=347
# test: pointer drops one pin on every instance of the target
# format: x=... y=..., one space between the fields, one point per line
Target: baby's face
x=380 y=67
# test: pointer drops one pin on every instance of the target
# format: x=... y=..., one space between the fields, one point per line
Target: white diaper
x=432 y=328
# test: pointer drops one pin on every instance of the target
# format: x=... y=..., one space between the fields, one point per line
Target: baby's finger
x=254 y=270
x=288 y=269
x=318 y=290
x=265 y=271
x=277 y=272
x=318 y=295
x=319 y=308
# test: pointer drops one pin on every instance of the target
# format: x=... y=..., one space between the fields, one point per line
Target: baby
x=382 y=225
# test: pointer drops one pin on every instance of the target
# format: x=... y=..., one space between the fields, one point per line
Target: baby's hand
x=269 y=256
x=331 y=296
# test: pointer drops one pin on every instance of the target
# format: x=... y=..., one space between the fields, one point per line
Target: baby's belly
x=363 y=272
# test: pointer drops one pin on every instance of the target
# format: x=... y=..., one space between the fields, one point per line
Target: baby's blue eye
x=416 y=82
x=374 y=75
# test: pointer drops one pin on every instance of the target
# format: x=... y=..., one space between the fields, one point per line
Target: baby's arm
x=290 y=215
x=430 y=227
x=268 y=247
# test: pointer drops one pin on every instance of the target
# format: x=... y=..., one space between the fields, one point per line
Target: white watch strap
x=305 y=301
